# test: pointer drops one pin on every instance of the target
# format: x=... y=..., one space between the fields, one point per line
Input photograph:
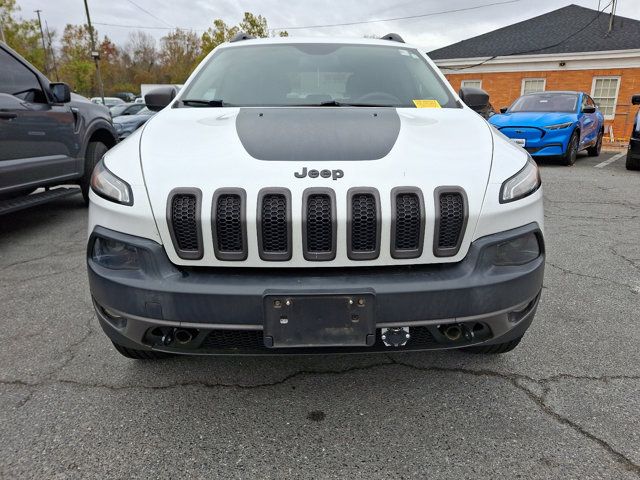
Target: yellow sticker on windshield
x=426 y=104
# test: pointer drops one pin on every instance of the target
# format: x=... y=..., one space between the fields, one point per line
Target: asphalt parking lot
x=564 y=404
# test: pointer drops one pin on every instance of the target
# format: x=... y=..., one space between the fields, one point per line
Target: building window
x=533 y=85
x=471 y=83
x=605 y=93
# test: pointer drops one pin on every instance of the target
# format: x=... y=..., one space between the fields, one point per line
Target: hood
x=256 y=148
x=531 y=119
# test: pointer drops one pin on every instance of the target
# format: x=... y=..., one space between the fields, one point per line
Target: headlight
x=115 y=255
x=523 y=183
x=558 y=126
x=107 y=185
x=518 y=251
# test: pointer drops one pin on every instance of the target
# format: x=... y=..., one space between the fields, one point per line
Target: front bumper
x=541 y=142
x=634 y=148
x=223 y=307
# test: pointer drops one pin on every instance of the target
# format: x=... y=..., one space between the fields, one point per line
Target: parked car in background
x=125 y=125
x=553 y=124
x=126 y=109
x=128 y=97
x=108 y=101
x=48 y=135
x=633 y=155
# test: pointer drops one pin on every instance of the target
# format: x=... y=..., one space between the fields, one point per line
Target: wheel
x=569 y=158
x=140 y=354
x=95 y=151
x=597 y=148
x=494 y=349
x=632 y=163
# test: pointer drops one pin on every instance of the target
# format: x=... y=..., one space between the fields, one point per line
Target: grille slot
x=407 y=231
x=451 y=220
x=183 y=218
x=229 y=224
x=274 y=224
x=319 y=224
x=363 y=234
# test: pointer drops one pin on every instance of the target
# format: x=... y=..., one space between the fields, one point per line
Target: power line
x=141 y=26
x=524 y=52
x=149 y=13
x=432 y=14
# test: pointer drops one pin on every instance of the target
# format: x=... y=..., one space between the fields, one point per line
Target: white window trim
x=615 y=100
x=544 y=83
x=471 y=80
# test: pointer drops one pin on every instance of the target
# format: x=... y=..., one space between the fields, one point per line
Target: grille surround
x=230 y=255
x=353 y=224
x=186 y=254
x=263 y=250
x=307 y=222
x=397 y=251
x=449 y=250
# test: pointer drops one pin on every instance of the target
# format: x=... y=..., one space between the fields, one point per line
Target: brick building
x=566 y=49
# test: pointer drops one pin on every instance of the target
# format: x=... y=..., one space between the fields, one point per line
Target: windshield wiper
x=205 y=103
x=336 y=103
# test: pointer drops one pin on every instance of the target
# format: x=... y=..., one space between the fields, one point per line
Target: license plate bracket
x=319 y=320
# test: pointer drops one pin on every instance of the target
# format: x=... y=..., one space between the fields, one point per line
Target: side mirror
x=475 y=98
x=61 y=92
x=589 y=109
x=159 y=98
x=635 y=100
x=504 y=109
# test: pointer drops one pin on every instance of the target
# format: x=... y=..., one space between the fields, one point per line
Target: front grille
x=184 y=223
x=229 y=225
x=363 y=239
x=319 y=230
x=408 y=223
x=451 y=218
x=230 y=341
x=274 y=224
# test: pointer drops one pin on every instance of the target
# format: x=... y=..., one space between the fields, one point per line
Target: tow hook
x=167 y=338
x=395 y=337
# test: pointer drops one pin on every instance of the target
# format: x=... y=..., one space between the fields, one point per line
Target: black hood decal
x=318 y=133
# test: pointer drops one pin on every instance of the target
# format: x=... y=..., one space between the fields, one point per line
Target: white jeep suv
x=314 y=195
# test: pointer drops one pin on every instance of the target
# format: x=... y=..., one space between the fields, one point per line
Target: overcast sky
x=429 y=32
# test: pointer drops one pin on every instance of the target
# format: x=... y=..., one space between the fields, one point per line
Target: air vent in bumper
x=451 y=220
x=363 y=224
x=319 y=229
x=407 y=222
x=228 y=224
x=183 y=220
x=274 y=224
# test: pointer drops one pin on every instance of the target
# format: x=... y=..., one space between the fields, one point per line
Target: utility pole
x=94 y=53
x=4 y=40
x=612 y=15
x=44 y=47
x=53 y=53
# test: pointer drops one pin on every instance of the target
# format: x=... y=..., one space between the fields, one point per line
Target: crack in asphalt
x=516 y=380
x=594 y=277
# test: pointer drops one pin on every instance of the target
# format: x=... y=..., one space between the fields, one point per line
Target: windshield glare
x=557 y=102
x=312 y=74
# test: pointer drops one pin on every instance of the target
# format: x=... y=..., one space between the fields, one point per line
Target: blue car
x=553 y=124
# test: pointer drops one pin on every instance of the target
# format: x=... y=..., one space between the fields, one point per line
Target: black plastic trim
x=371 y=255
x=274 y=256
x=226 y=255
x=413 y=253
x=322 y=256
x=186 y=254
x=448 y=251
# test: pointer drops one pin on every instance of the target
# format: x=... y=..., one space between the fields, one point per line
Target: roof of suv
x=330 y=40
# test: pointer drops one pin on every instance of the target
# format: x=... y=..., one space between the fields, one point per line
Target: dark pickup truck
x=48 y=136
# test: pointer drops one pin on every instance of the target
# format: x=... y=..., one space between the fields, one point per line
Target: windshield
x=315 y=74
x=554 y=102
x=118 y=109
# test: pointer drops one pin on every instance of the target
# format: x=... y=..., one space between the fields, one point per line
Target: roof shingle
x=539 y=35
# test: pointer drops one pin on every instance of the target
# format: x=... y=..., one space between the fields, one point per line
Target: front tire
x=569 y=158
x=95 y=151
x=632 y=163
x=497 y=349
x=597 y=148
x=140 y=354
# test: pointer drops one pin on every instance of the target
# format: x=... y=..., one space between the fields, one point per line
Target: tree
x=179 y=54
x=22 y=35
x=76 y=66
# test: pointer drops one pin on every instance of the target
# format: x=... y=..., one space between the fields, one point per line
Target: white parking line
x=611 y=160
